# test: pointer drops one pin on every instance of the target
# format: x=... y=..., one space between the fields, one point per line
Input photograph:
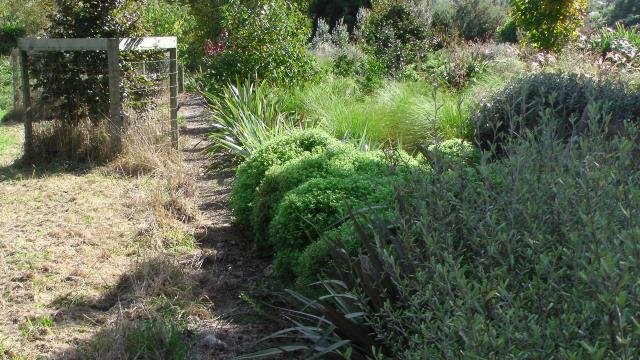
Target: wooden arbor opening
x=113 y=47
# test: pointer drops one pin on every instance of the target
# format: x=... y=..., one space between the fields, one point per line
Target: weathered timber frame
x=113 y=47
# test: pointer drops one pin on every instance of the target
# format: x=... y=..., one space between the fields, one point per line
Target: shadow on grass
x=164 y=308
x=22 y=170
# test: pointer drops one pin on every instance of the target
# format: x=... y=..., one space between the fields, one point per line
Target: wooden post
x=173 y=87
x=15 y=68
x=115 y=98
x=180 y=78
x=26 y=104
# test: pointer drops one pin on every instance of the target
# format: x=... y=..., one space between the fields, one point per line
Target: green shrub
x=457 y=151
x=368 y=71
x=244 y=117
x=508 y=32
x=76 y=79
x=167 y=18
x=458 y=67
x=277 y=151
x=396 y=35
x=318 y=205
x=471 y=20
x=266 y=39
x=539 y=264
x=569 y=98
x=334 y=162
x=10 y=31
x=549 y=24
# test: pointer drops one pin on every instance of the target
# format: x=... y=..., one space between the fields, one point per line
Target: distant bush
x=468 y=19
x=549 y=24
x=277 y=151
x=508 y=32
x=266 y=39
x=368 y=71
x=9 y=34
x=569 y=98
x=626 y=12
x=166 y=18
x=457 y=67
x=396 y=35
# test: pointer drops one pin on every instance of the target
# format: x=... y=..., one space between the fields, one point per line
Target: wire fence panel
x=87 y=103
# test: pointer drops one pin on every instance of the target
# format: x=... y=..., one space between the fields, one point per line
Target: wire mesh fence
x=71 y=100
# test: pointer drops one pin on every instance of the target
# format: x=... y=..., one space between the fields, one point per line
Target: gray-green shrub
x=569 y=98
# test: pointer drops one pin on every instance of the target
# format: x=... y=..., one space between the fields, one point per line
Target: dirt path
x=229 y=268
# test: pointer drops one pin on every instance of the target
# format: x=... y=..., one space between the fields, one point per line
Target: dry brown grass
x=95 y=252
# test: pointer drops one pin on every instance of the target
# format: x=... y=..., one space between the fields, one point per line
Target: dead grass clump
x=85 y=142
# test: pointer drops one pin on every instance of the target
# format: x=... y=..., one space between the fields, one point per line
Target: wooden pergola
x=113 y=47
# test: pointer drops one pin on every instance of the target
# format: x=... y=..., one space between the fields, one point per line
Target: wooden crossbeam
x=97 y=44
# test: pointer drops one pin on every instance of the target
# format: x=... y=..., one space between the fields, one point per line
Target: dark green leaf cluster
x=508 y=32
x=78 y=80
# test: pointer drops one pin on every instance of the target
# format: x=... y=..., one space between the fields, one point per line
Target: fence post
x=26 y=104
x=15 y=69
x=115 y=98
x=180 y=78
x=173 y=87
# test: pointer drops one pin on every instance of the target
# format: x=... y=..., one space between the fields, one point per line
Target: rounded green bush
x=457 y=151
x=561 y=97
x=335 y=161
x=275 y=152
x=306 y=212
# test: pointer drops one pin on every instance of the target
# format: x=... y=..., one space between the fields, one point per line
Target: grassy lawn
x=75 y=244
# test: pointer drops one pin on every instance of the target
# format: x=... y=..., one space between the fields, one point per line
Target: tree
x=549 y=24
x=77 y=80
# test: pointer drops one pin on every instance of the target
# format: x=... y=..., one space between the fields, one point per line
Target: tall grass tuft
x=400 y=114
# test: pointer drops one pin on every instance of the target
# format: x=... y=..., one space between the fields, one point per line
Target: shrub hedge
x=277 y=151
x=336 y=161
x=532 y=256
x=315 y=207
